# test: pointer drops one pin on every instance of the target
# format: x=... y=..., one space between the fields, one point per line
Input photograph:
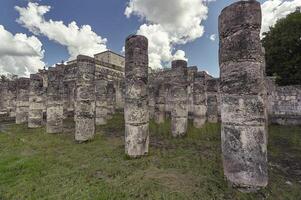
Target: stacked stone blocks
x=36 y=101
x=243 y=96
x=136 y=112
x=85 y=100
x=179 y=98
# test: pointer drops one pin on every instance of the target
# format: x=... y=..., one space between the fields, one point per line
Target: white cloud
x=19 y=54
x=179 y=55
x=212 y=37
x=168 y=23
x=78 y=40
x=272 y=10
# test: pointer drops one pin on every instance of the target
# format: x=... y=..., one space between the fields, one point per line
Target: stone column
x=101 y=101
x=12 y=97
x=111 y=99
x=119 y=96
x=212 y=86
x=22 y=102
x=136 y=113
x=243 y=94
x=179 y=98
x=35 y=115
x=199 y=100
x=54 y=105
x=160 y=103
x=85 y=99
x=192 y=71
x=151 y=104
x=8 y=97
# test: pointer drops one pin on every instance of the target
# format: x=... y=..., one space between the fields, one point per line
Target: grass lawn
x=36 y=165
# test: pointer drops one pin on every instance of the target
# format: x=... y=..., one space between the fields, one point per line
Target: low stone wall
x=284 y=103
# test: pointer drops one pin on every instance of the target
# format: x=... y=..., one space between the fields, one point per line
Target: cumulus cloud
x=168 y=23
x=273 y=10
x=19 y=54
x=179 y=55
x=78 y=40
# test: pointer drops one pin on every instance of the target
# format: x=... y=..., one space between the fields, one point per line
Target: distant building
x=110 y=57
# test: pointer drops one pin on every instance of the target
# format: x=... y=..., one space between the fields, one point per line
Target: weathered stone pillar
x=151 y=103
x=119 y=95
x=136 y=113
x=179 y=98
x=243 y=109
x=199 y=100
x=160 y=103
x=54 y=105
x=101 y=102
x=44 y=75
x=8 y=97
x=12 y=97
x=35 y=115
x=192 y=71
x=22 y=102
x=85 y=99
x=111 y=99
x=212 y=86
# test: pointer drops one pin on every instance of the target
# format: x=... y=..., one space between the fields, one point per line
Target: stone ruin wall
x=161 y=83
x=284 y=102
x=111 y=73
x=8 y=96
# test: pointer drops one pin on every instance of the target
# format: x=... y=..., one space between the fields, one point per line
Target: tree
x=283 y=50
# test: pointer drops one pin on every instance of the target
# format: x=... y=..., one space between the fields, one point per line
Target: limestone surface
x=22 y=101
x=85 y=100
x=54 y=107
x=111 y=99
x=179 y=98
x=199 y=100
x=101 y=102
x=36 y=103
x=243 y=96
x=136 y=111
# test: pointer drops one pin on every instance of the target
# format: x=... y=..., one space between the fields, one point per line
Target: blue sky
x=107 y=19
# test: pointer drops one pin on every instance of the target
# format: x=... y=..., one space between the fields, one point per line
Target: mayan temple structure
x=136 y=113
x=36 y=103
x=199 y=100
x=85 y=99
x=179 y=98
x=54 y=105
x=22 y=101
x=243 y=93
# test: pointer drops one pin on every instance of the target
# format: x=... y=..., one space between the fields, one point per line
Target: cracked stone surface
x=199 y=100
x=243 y=96
x=85 y=100
x=22 y=101
x=179 y=98
x=54 y=110
x=36 y=101
x=136 y=111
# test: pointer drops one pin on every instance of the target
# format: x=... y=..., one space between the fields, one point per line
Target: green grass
x=36 y=165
